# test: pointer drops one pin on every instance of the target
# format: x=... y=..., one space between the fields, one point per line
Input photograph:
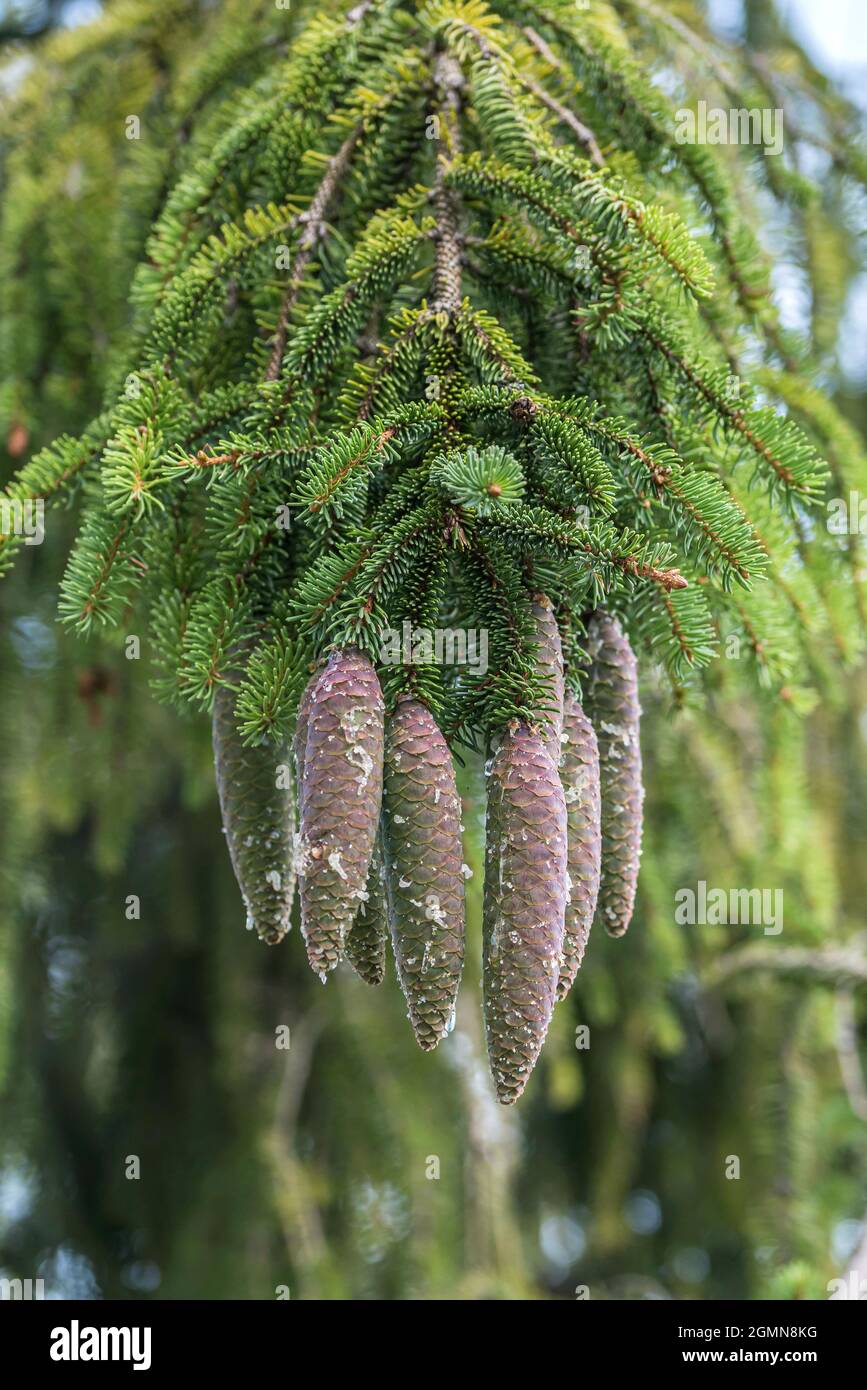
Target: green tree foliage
x=337 y=324
x=380 y=306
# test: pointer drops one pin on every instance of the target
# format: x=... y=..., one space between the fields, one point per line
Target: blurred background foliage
x=350 y=1165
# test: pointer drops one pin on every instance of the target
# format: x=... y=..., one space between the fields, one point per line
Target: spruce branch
x=774 y=441
x=603 y=545
x=356 y=451
x=86 y=596
x=724 y=534
x=49 y=475
x=488 y=387
x=404 y=348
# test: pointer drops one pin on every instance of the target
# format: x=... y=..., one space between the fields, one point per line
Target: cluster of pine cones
x=378 y=850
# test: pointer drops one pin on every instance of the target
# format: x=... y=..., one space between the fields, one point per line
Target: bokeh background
x=697 y=1126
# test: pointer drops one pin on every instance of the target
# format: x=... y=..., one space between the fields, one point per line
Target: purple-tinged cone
x=612 y=701
x=340 y=797
x=524 y=905
x=257 y=804
x=579 y=773
x=549 y=666
x=424 y=875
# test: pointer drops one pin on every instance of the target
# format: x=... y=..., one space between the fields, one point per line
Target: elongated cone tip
x=366 y=938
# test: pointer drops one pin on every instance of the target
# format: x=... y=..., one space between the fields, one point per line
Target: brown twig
x=563 y=114
x=843 y=966
x=446 y=288
x=313 y=223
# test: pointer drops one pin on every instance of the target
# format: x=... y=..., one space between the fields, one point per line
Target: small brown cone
x=524 y=905
x=257 y=803
x=579 y=773
x=423 y=859
x=549 y=665
x=341 y=793
x=366 y=938
x=612 y=701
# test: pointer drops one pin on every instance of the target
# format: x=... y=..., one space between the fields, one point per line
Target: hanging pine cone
x=579 y=773
x=549 y=665
x=257 y=803
x=612 y=696
x=424 y=878
x=366 y=938
x=341 y=792
x=524 y=905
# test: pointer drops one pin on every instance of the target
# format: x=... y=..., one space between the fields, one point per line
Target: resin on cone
x=524 y=904
x=366 y=938
x=341 y=792
x=579 y=773
x=612 y=699
x=257 y=804
x=424 y=874
x=549 y=666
